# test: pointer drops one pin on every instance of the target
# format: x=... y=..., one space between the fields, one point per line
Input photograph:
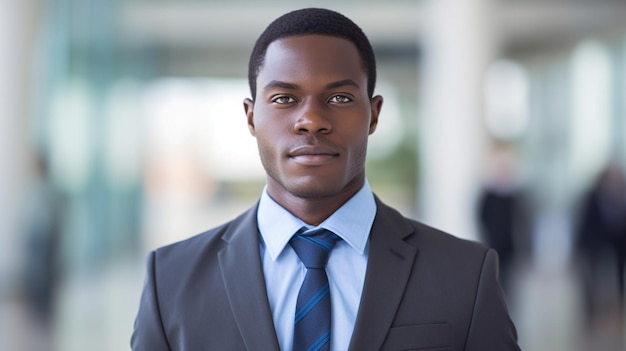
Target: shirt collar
x=352 y=221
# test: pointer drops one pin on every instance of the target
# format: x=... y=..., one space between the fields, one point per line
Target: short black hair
x=313 y=21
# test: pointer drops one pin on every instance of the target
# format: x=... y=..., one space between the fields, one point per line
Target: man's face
x=312 y=117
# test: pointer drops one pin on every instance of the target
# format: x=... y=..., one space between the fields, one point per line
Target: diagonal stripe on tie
x=313 y=301
x=321 y=242
x=312 y=317
x=319 y=343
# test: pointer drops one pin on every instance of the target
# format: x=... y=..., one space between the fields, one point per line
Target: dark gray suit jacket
x=424 y=290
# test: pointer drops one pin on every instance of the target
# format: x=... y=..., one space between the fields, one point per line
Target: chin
x=308 y=192
x=308 y=189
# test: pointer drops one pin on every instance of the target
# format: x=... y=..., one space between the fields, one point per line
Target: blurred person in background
x=389 y=282
x=503 y=213
x=41 y=226
x=602 y=242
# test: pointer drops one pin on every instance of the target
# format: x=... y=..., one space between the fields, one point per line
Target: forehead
x=311 y=56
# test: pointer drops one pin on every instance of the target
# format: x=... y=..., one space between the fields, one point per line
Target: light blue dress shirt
x=284 y=272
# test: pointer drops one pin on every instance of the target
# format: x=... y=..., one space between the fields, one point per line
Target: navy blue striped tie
x=312 y=319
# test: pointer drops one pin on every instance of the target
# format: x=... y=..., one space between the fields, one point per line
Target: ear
x=248 y=107
x=376 y=104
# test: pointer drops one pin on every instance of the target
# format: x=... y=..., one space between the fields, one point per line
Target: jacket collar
x=242 y=272
x=388 y=270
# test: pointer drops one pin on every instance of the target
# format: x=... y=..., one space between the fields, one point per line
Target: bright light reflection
x=205 y=119
x=591 y=109
x=506 y=99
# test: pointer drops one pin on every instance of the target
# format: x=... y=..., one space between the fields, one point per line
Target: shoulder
x=444 y=242
x=427 y=239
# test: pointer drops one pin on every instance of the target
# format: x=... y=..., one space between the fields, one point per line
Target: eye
x=283 y=100
x=340 y=99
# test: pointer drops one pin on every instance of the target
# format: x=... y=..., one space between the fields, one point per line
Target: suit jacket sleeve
x=491 y=327
x=149 y=334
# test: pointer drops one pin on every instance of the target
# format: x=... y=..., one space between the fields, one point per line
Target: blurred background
x=122 y=129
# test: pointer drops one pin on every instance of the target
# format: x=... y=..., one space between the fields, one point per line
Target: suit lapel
x=389 y=267
x=242 y=272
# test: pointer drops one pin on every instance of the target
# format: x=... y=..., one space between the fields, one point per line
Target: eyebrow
x=291 y=86
x=342 y=83
x=281 y=84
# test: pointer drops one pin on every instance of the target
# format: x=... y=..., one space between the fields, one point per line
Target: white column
x=12 y=132
x=457 y=47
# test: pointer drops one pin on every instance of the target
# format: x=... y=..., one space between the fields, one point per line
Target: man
x=394 y=284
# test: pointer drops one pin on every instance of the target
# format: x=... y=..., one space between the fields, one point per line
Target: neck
x=314 y=210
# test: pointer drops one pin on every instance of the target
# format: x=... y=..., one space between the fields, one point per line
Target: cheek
x=359 y=151
x=266 y=154
x=266 y=147
x=268 y=142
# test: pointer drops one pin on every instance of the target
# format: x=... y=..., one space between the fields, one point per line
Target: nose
x=313 y=119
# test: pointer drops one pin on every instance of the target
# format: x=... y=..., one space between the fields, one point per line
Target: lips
x=312 y=155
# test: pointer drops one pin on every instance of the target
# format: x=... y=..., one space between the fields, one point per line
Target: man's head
x=313 y=21
x=312 y=111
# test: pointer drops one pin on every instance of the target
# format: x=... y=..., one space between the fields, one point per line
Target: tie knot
x=314 y=246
